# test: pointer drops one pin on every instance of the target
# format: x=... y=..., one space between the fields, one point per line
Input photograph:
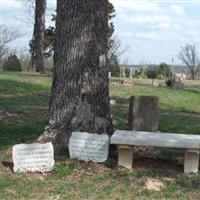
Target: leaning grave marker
x=89 y=147
x=34 y=157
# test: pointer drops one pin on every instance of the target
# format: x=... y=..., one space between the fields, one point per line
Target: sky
x=151 y=30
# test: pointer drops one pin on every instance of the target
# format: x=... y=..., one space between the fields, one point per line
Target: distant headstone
x=127 y=82
x=109 y=74
x=130 y=72
x=180 y=77
x=88 y=147
x=34 y=157
x=155 y=83
x=113 y=102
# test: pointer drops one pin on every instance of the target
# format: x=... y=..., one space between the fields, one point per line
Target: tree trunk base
x=59 y=141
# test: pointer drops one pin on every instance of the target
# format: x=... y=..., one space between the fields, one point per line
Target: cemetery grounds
x=157 y=174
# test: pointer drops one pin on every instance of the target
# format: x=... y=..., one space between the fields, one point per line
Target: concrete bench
x=127 y=139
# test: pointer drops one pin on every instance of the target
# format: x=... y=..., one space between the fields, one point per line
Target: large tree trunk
x=193 y=74
x=80 y=92
x=1 y=64
x=38 y=34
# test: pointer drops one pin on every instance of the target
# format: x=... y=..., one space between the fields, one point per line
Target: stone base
x=125 y=156
x=191 y=162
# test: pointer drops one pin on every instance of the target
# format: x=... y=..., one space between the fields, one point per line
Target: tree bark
x=80 y=91
x=1 y=64
x=193 y=75
x=38 y=34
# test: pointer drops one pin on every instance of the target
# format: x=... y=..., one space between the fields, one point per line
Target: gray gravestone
x=33 y=157
x=143 y=113
x=89 y=147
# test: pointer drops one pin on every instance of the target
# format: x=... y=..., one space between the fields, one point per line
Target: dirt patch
x=153 y=184
x=35 y=176
x=192 y=116
x=27 y=116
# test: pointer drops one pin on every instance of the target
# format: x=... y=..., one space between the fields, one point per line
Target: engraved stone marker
x=89 y=147
x=34 y=157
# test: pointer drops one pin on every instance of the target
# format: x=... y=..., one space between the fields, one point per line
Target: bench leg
x=125 y=156
x=191 y=162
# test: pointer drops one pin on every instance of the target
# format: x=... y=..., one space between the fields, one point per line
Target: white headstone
x=113 y=102
x=34 y=157
x=89 y=147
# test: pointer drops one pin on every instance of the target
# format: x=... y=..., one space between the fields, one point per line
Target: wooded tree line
x=45 y=41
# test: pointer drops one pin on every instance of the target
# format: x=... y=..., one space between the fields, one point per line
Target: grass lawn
x=23 y=115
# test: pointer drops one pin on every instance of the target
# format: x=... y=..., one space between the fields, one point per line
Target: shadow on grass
x=168 y=108
x=25 y=74
x=12 y=133
x=35 y=75
x=194 y=89
x=116 y=79
x=8 y=165
x=179 y=123
x=39 y=100
x=120 y=100
x=153 y=167
x=17 y=87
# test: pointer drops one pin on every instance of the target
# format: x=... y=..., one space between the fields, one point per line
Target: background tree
x=79 y=98
x=143 y=68
x=24 y=58
x=28 y=12
x=189 y=57
x=113 y=65
x=38 y=36
x=164 y=70
x=152 y=74
x=113 y=43
x=8 y=35
x=12 y=63
x=49 y=37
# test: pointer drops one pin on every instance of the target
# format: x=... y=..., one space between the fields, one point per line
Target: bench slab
x=171 y=140
x=126 y=139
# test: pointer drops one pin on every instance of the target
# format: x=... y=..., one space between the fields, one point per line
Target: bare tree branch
x=115 y=47
x=189 y=56
x=27 y=15
x=7 y=35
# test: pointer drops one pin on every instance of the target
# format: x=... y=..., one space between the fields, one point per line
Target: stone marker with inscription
x=88 y=147
x=34 y=157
